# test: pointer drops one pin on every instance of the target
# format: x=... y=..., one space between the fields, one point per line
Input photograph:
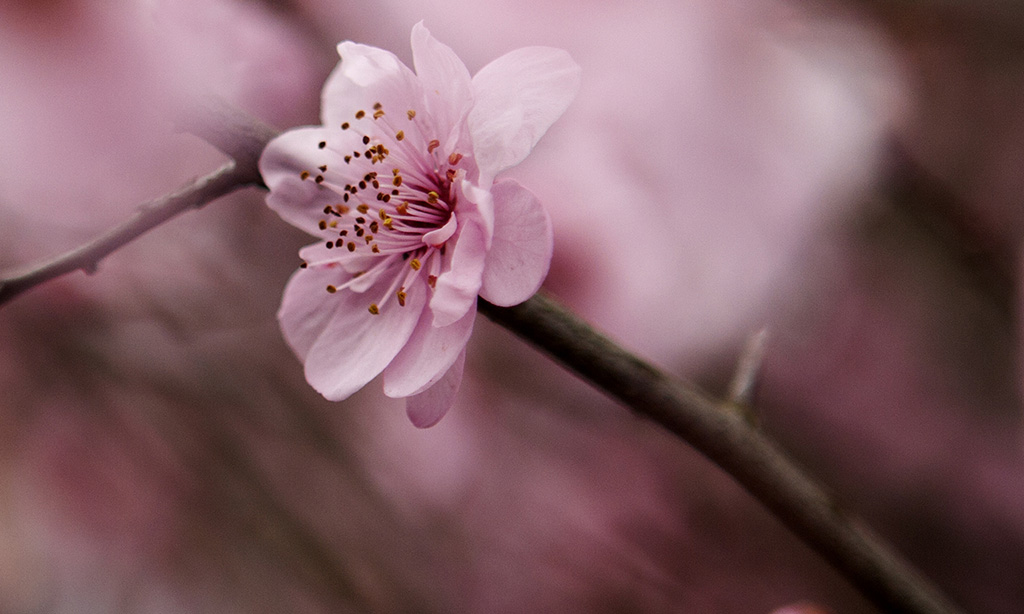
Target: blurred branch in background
x=711 y=427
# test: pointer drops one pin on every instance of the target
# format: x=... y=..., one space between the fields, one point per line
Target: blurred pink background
x=847 y=174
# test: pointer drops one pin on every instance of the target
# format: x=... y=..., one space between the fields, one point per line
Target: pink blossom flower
x=398 y=184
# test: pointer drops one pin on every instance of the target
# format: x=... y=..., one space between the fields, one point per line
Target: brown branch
x=235 y=134
x=728 y=439
x=723 y=435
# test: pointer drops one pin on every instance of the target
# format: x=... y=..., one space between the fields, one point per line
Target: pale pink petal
x=356 y=345
x=456 y=288
x=445 y=82
x=521 y=249
x=479 y=202
x=516 y=99
x=427 y=356
x=298 y=201
x=442 y=234
x=306 y=306
x=428 y=407
x=365 y=76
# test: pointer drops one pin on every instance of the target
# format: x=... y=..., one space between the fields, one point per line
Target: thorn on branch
x=744 y=381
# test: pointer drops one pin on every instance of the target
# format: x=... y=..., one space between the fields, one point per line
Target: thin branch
x=732 y=443
x=720 y=434
x=235 y=134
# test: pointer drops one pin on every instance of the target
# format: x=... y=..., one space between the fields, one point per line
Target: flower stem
x=725 y=437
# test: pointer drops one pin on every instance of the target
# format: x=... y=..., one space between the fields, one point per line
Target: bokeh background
x=845 y=173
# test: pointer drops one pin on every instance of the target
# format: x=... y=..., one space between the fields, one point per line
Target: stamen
x=411 y=114
x=322 y=144
x=360 y=114
x=434 y=144
x=374 y=309
x=401 y=296
x=344 y=126
x=400 y=135
x=454 y=158
x=415 y=264
x=331 y=289
x=304 y=175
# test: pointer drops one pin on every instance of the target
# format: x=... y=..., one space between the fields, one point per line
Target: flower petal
x=428 y=407
x=521 y=249
x=427 y=356
x=355 y=345
x=437 y=237
x=306 y=307
x=367 y=75
x=456 y=288
x=516 y=99
x=298 y=201
x=445 y=82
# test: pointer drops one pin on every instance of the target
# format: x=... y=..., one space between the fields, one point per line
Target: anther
x=322 y=144
x=415 y=264
x=363 y=208
x=431 y=280
x=304 y=175
x=432 y=197
x=397 y=181
x=323 y=224
x=351 y=247
x=323 y=168
x=410 y=113
x=377 y=106
x=378 y=114
x=374 y=309
x=331 y=289
x=360 y=114
x=319 y=179
x=400 y=135
x=366 y=140
x=330 y=245
x=434 y=144
x=344 y=126
x=401 y=296
x=454 y=158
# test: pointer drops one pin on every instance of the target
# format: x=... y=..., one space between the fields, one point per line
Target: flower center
x=400 y=212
